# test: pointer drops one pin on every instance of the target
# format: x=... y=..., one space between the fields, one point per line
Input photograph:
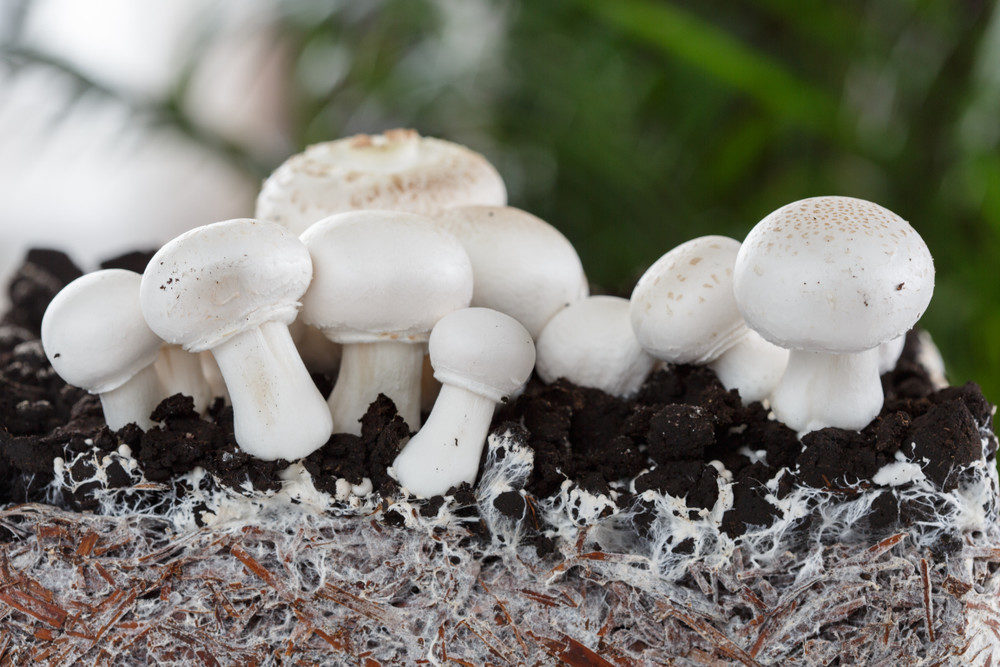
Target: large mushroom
x=232 y=287
x=382 y=280
x=683 y=311
x=397 y=170
x=831 y=279
x=95 y=337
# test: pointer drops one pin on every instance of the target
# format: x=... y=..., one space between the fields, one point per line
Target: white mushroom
x=832 y=278
x=481 y=357
x=181 y=373
x=591 y=343
x=523 y=266
x=95 y=337
x=382 y=280
x=398 y=170
x=232 y=288
x=683 y=311
x=889 y=353
x=213 y=376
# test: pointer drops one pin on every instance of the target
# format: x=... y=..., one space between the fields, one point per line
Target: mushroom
x=382 y=280
x=95 y=337
x=683 y=311
x=181 y=373
x=481 y=357
x=889 y=353
x=232 y=287
x=398 y=170
x=831 y=279
x=522 y=265
x=213 y=376
x=591 y=343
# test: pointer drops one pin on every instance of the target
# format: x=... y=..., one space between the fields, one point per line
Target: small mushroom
x=382 y=280
x=683 y=311
x=889 y=353
x=591 y=343
x=831 y=279
x=95 y=337
x=481 y=357
x=522 y=265
x=181 y=373
x=232 y=287
x=398 y=170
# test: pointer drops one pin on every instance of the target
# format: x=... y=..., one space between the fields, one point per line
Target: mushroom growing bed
x=673 y=524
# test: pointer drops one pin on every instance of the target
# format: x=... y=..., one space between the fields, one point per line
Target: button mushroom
x=398 y=170
x=95 y=337
x=382 y=280
x=481 y=357
x=832 y=278
x=522 y=265
x=232 y=287
x=590 y=343
x=683 y=311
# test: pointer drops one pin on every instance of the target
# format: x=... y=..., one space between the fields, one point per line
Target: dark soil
x=663 y=439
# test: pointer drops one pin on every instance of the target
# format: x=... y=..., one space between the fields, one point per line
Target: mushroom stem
x=278 y=412
x=752 y=366
x=213 y=376
x=180 y=373
x=821 y=389
x=134 y=401
x=446 y=451
x=369 y=369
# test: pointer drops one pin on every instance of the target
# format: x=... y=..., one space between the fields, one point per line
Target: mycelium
x=95 y=337
x=382 y=280
x=481 y=357
x=523 y=266
x=683 y=311
x=831 y=279
x=591 y=343
x=181 y=373
x=232 y=287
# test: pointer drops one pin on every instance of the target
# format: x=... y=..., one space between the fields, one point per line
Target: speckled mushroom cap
x=833 y=274
x=94 y=334
x=398 y=170
x=222 y=279
x=483 y=351
x=383 y=275
x=523 y=266
x=682 y=309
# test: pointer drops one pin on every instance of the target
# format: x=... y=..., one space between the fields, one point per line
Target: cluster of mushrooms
x=370 y=253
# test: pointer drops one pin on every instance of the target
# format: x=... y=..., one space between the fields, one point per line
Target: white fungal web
x=192 y=571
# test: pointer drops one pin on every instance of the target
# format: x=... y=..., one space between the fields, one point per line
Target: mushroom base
x=134 y=401
x=369 y=369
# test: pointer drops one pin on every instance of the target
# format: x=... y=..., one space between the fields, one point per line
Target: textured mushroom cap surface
x=483 y=351
x=833 y=274
x=398 y=170
x=591 y=343
x=383 y=275
x=94 y=333
x=523 y=266
x=222 y=279
x=683 y=309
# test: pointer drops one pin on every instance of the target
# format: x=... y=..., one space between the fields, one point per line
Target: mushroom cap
x=383 y=275
x=94 y=334
x=523 y=266
x=220 y=280
x=590 y=343
x=683 y=309
x=483 y=351
x=833 y=274
x=398 y=170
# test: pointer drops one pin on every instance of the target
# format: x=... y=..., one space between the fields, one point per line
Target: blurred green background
x=633 y=125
